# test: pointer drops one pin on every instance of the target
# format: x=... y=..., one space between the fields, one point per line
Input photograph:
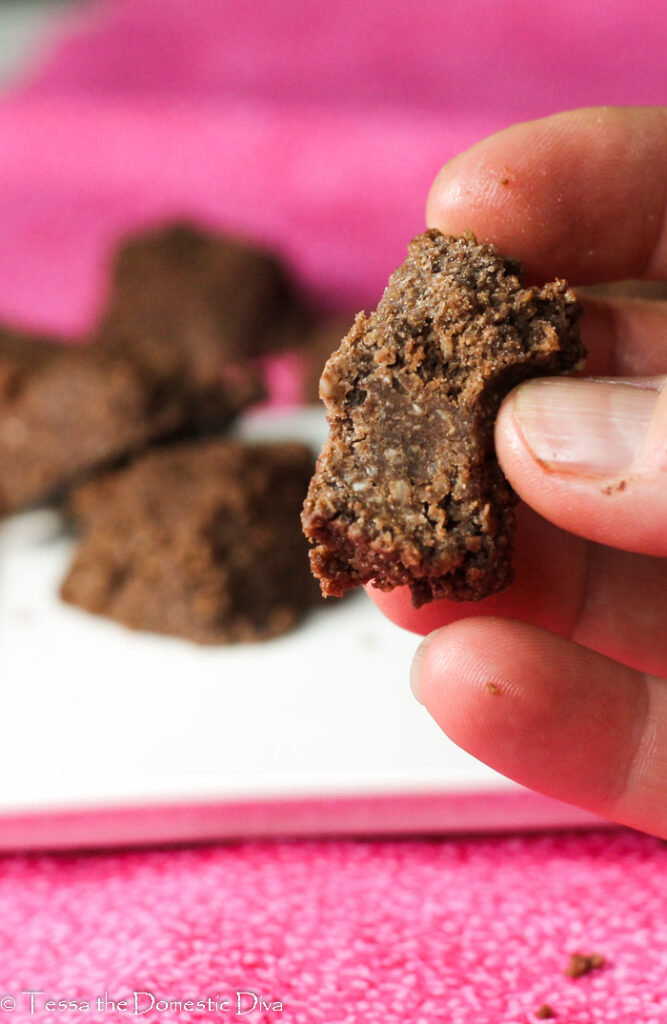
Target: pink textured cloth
x=458 y=932
x=338 y=195
x=514 y=60
x=314 y=127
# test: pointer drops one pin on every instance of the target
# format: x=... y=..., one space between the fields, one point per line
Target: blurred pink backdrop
x=315 y=127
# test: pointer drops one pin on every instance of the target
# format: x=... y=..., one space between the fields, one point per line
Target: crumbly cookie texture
x=197 y=540
x=66 y=410
x=198 y=295
x=407 y=489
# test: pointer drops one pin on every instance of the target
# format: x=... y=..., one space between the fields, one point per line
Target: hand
x=555 y=682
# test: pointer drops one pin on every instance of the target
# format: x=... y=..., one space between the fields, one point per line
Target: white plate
x=110 y=736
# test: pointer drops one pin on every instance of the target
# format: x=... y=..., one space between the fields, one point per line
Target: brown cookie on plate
x=199 y=540
x=66 y=410
x=199 y=296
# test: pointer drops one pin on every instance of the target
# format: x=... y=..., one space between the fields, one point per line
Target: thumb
x=591 y=456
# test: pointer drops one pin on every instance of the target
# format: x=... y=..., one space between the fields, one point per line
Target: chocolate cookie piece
x=407 y=489
x=65 y=410
x=182 y=292
x=198 y=540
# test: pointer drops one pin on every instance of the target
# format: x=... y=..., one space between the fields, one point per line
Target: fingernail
x=415 y=668
x=584 y=426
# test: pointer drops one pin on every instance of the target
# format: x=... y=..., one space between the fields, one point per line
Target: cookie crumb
x=615 y=488
x=544 y=1012
x=493 y=688
x=583 y=963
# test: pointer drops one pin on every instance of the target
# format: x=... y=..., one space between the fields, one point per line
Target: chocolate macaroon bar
x=408 y=489
x=65 y=410
x=184 y=290
x=199 y=540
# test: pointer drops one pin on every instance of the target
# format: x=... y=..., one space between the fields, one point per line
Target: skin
x=559 y=681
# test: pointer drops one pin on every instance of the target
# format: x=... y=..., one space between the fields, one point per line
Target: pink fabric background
x=515 y=59
x=317 y=127
x=449 y=932
x=338 y=195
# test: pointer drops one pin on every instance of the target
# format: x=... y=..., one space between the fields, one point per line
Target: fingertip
x=460 y=668
x=588 y=454
x=543 y=711
x=578 y=195
x=549 y=713
x=476 y=191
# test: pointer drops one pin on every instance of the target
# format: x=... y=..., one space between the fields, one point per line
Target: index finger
x=581 y=195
